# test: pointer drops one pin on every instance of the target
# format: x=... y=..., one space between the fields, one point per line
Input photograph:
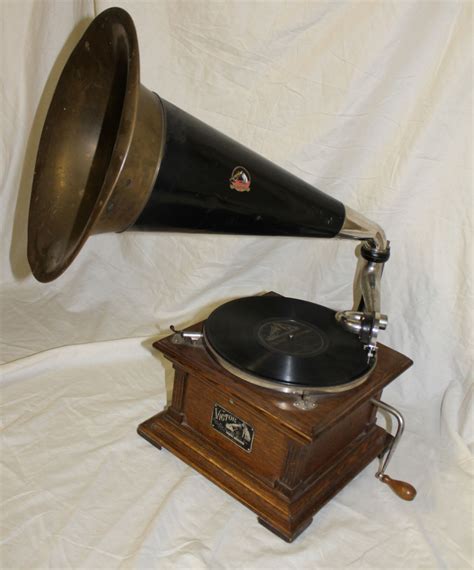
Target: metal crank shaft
x=404 y=490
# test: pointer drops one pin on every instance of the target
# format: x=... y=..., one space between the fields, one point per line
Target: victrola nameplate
x=232 y=427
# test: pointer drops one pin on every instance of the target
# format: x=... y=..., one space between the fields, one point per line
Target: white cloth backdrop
x=371 y=102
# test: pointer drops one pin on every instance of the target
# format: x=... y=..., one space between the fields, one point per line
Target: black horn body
x=114 y=156
x=195 y=189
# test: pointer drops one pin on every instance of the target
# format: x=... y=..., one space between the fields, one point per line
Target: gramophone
x=274 y=398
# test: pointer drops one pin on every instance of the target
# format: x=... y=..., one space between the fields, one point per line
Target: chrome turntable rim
x=296 y=389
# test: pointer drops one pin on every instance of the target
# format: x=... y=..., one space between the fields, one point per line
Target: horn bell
x=99 y=150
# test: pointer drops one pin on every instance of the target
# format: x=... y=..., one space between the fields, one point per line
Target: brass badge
x=232 y=427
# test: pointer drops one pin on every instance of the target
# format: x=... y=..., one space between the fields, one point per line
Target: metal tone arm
x=366 y=319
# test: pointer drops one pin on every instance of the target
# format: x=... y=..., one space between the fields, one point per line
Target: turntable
x=274 y=398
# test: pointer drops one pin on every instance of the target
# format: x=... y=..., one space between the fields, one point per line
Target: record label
x=297 y=338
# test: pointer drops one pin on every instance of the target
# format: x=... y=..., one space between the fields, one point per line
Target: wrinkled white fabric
x=370 y=102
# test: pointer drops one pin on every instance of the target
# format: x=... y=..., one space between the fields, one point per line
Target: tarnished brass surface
x=100 y=148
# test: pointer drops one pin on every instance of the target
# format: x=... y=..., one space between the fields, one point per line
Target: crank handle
x=401 y=488
x=404 y=490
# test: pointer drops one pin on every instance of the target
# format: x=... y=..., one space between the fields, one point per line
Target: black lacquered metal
x=285 y=340
x=193 y=189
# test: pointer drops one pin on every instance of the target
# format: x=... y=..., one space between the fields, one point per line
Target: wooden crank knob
x=404 y=490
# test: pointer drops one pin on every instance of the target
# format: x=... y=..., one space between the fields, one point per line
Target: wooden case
x=299 y=459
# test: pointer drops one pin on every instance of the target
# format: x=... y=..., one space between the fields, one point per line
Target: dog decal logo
x=240 y=179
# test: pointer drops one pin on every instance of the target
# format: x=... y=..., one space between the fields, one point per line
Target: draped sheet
x=370 y=102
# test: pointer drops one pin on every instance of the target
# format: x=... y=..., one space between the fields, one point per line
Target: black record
x=287 y=341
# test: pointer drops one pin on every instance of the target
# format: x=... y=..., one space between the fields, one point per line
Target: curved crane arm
x=365 y=319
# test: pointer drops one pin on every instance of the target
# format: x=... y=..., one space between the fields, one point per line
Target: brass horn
x=115 y=156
